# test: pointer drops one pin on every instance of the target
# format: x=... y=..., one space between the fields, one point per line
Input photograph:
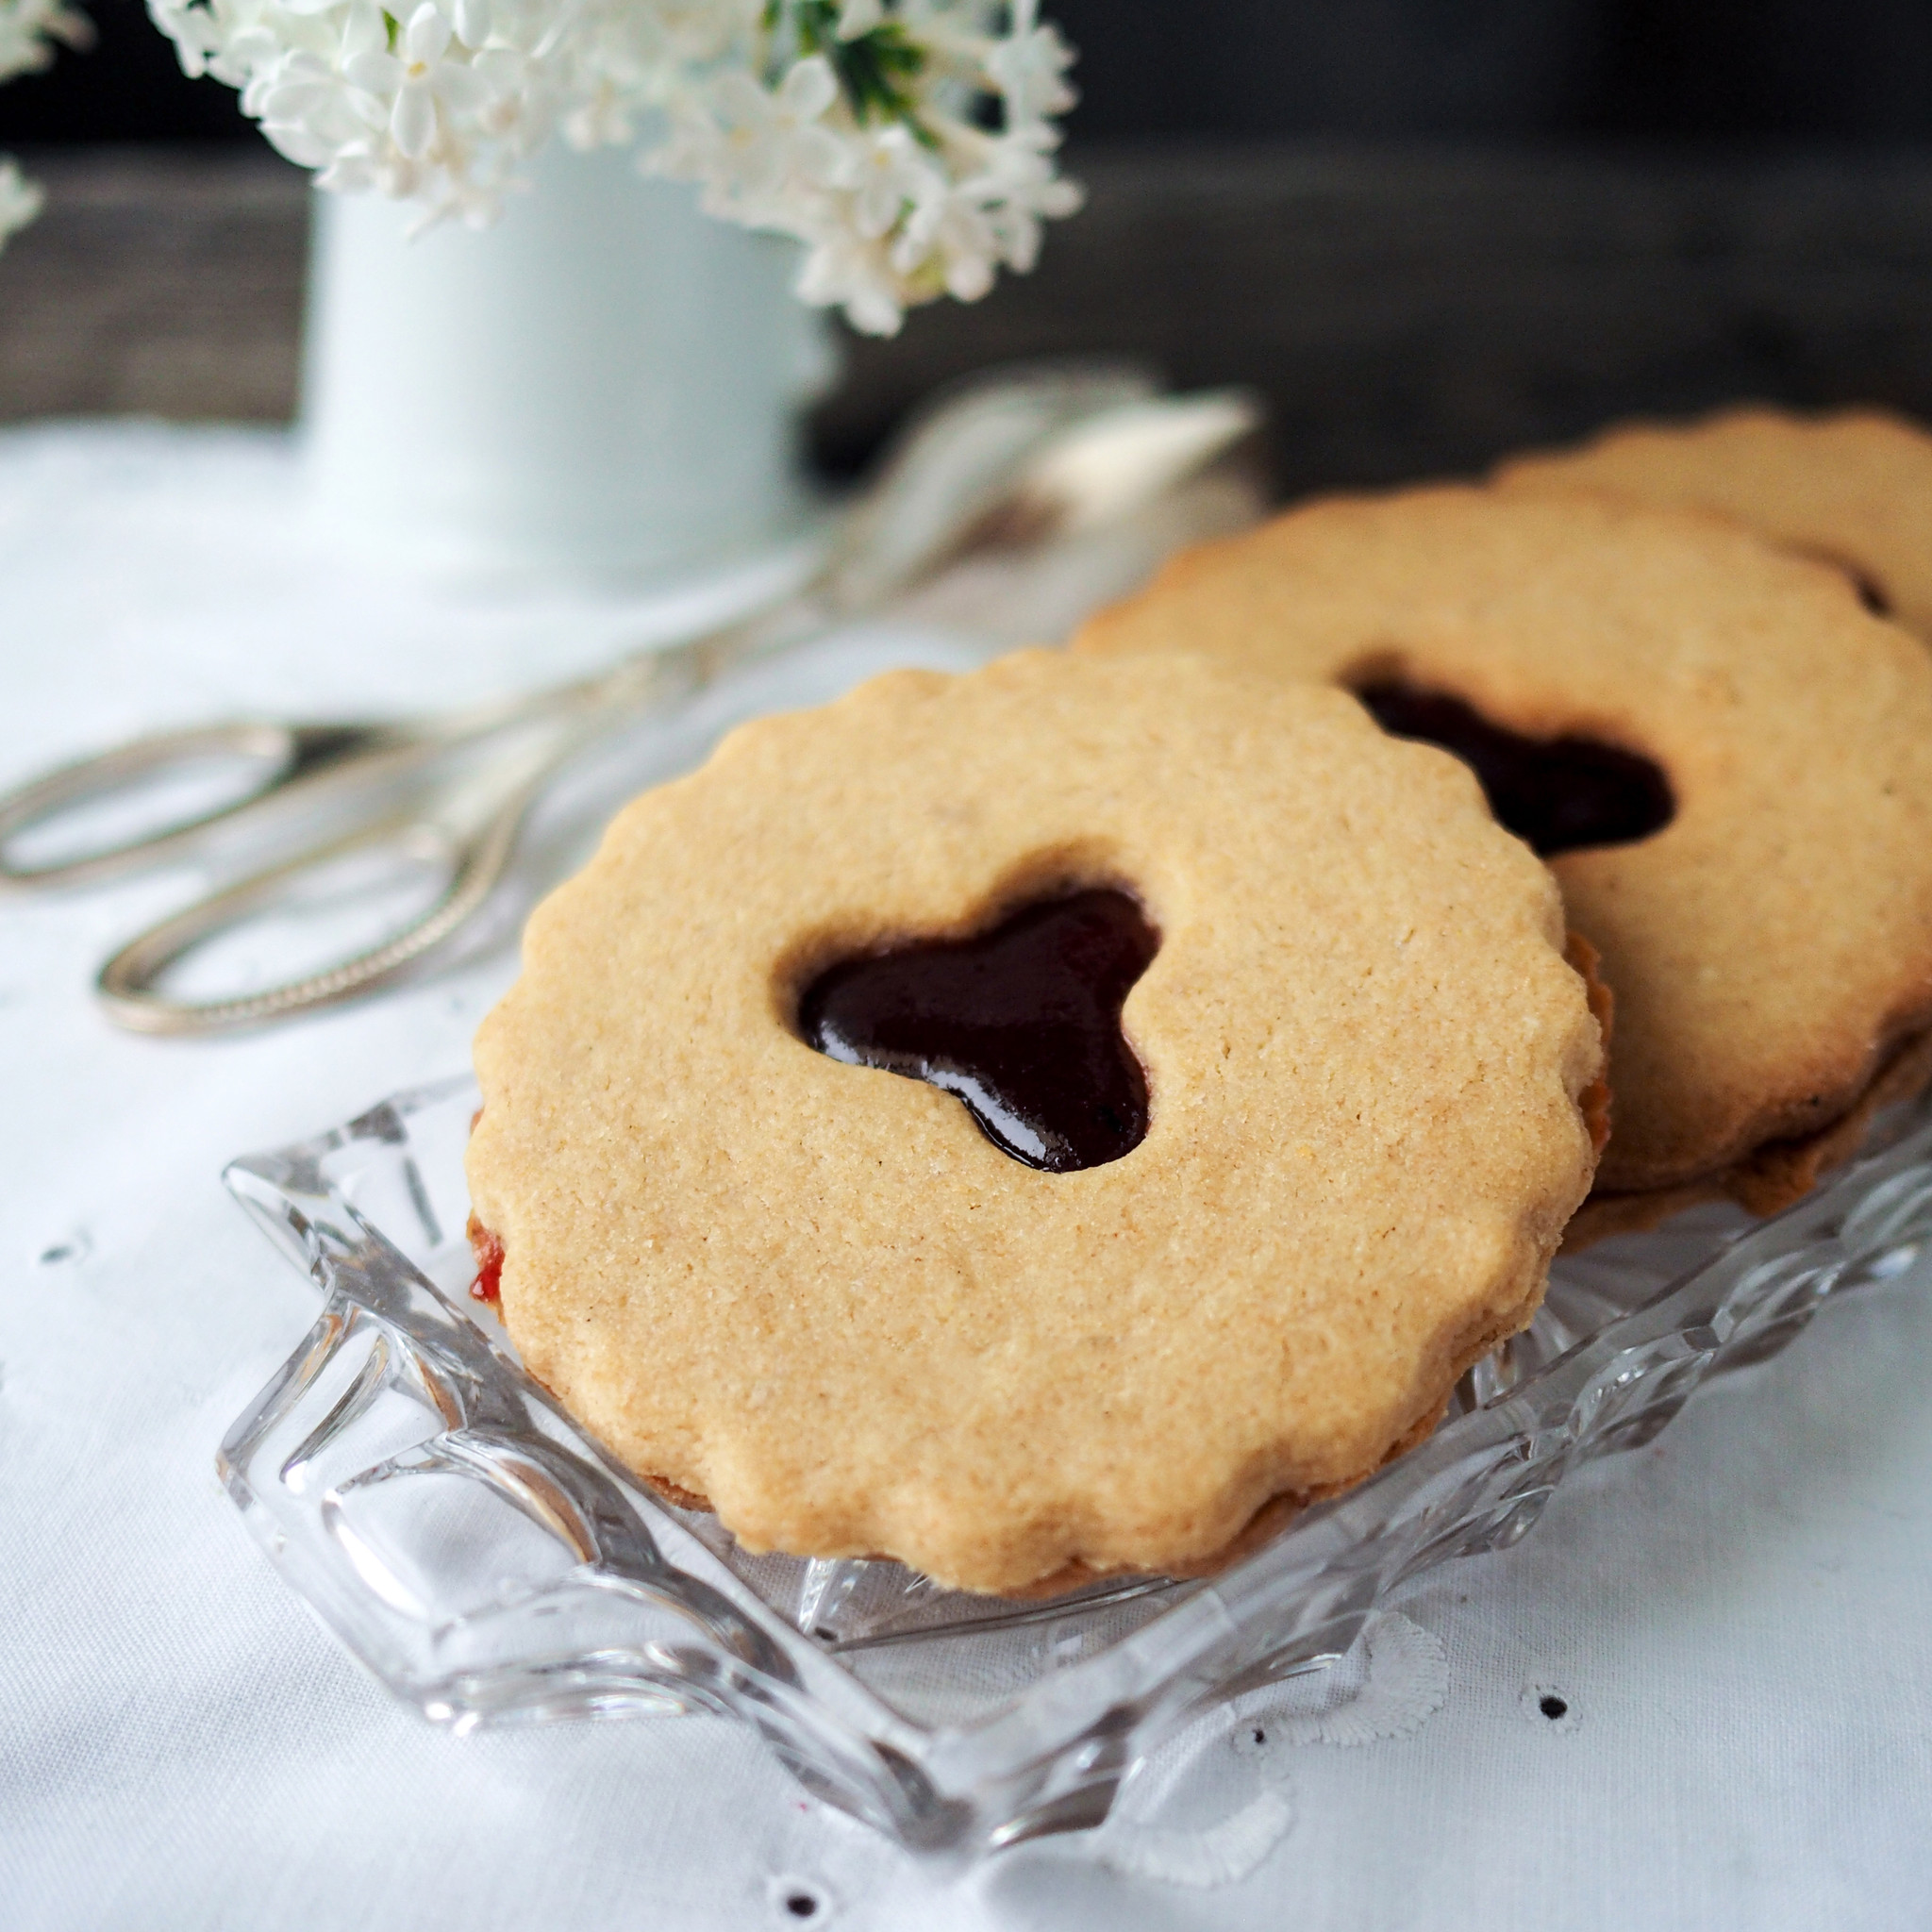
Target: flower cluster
x=872 y=147
x=28 y=30
x=908 y=143
x=20 y=199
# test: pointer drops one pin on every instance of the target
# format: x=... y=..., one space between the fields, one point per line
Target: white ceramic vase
x=604 y=385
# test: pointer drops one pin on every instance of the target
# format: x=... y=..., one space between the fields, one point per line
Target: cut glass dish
x=489 y=1562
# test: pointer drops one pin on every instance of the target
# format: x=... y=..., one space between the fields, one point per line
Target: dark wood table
x=1408 y=310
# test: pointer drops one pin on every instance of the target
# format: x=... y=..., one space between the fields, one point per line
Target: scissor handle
x=292 y=754
x=128 y=985
x=468 y=824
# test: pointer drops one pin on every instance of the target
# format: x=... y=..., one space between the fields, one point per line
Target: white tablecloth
x=1735 y=1619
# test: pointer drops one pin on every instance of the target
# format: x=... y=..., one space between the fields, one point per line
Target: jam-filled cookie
x=1725 y=758
x=1852 y=488
x=1029 y=1124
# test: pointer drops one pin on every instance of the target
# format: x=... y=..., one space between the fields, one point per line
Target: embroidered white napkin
x=1700 y=1694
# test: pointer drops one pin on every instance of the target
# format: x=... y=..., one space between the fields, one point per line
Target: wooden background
x=1407 y=309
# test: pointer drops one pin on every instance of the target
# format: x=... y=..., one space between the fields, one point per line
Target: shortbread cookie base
x=817 y=1295
x=1272 y=1516
x=1766 y=945
x=1774 y=1177
x=1852 y=488
x=1267 y=1521
x=1279 y=1511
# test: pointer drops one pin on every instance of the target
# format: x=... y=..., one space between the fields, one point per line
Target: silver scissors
x=1018 y=459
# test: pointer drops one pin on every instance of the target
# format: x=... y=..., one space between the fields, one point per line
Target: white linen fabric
x=1734 y=1620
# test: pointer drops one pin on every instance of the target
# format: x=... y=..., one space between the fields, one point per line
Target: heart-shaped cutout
x=1556 y=795
x=1023 y=1022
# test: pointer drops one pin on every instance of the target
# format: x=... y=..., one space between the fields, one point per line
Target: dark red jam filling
x=1022 y=1023
x=1556 y=795
x=488 y=1286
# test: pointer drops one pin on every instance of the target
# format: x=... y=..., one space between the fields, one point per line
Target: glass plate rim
x=1049 y=1757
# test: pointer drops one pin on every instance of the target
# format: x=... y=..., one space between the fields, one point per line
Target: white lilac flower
x=606 y=119
x=20 y=199
x=895 y=176
x=29 y=28
x=419 y=86
x=1029 y=67
x=28 y=32
x=309 y=109
x=844 y=271
x=853 y=126
x=765 y=145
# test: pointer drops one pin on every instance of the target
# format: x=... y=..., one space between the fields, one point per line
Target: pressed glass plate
x=489 y=1562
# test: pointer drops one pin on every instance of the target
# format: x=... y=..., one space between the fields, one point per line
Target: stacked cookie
x=1744 y=746
x=1062 y=1120
x=1852 y=489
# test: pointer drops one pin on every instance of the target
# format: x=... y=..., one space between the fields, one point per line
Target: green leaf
x=878 y=71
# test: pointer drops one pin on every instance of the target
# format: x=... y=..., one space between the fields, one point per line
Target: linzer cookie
x=1035 y=1124
x=1726 y=759
x=1853 y=488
